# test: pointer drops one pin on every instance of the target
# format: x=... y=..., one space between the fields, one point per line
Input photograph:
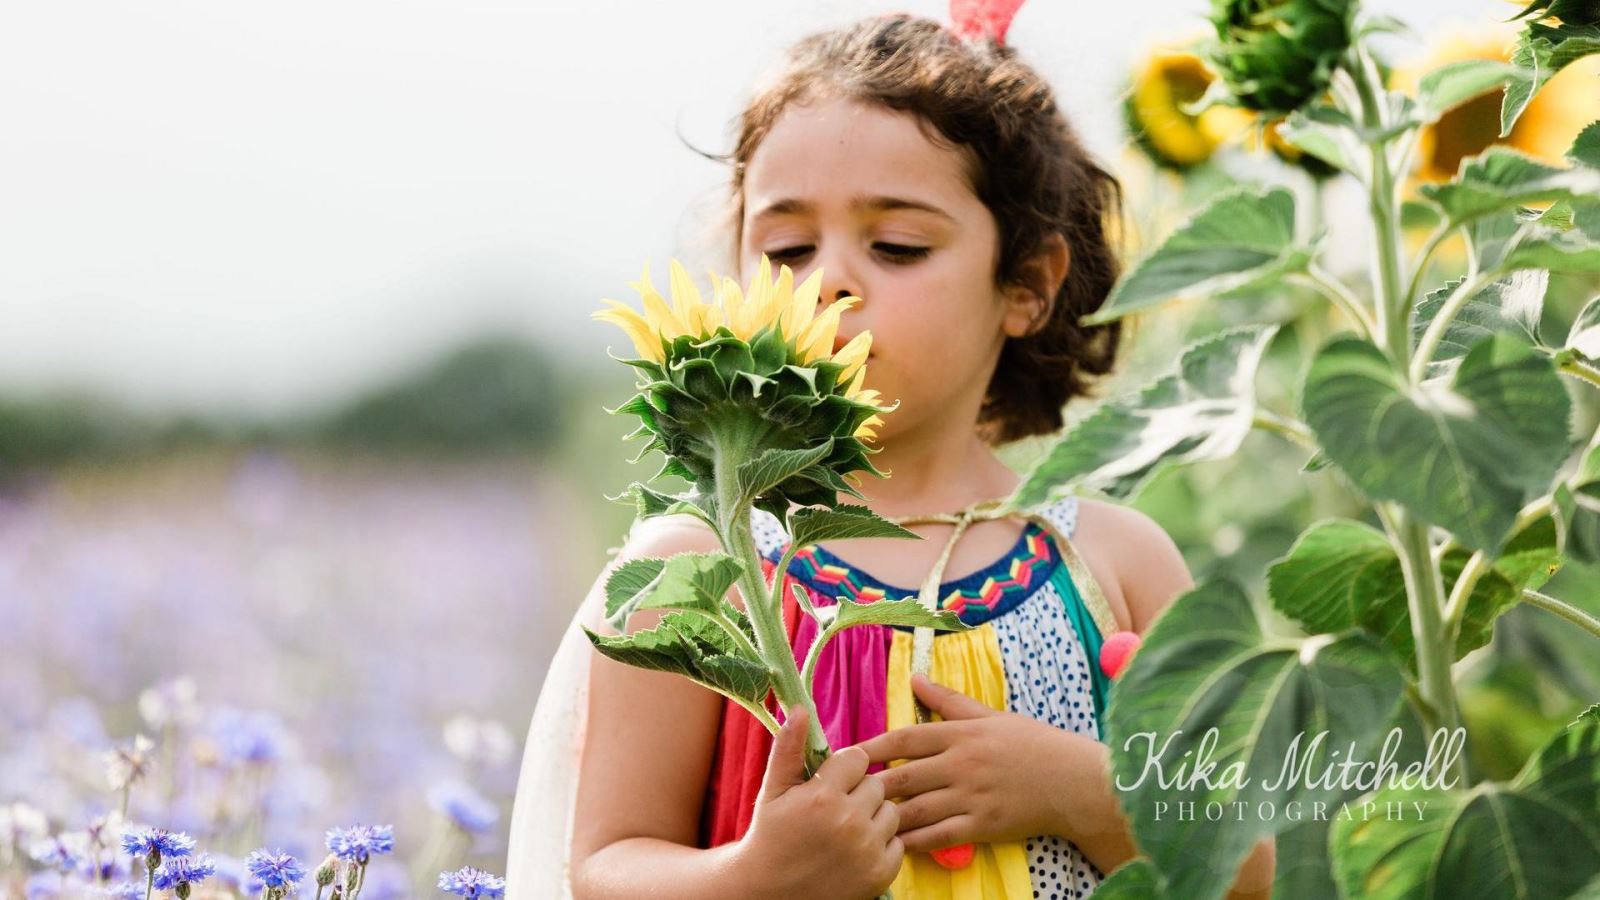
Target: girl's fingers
x=909 y=742
x=945 y=833
x=915 y=777
x=928 y=809
x=868 y=795
x=886 y=822
x=842 y=771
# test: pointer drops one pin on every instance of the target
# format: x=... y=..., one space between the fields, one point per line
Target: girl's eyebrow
x=858 y=203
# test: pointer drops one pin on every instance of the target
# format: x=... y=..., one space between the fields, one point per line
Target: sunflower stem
x=732 y=443
x=1565 y=610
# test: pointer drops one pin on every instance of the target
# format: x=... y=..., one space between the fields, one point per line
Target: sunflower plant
x=1447 y=410
x=749 y=403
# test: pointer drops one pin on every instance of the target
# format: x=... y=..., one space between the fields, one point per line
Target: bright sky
x=256 y=207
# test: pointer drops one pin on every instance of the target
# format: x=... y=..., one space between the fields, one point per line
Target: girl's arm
x=647 y=754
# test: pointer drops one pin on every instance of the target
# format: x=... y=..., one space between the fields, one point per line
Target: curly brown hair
x=1026 y=164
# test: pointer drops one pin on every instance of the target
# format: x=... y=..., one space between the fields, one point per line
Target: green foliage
x=1206 y=664
x=1465 y=455
x=1536 y=836
x=1200 y=411
x=1446 y=419
x=689 y=644
x=1237 y=241
x=494 y=395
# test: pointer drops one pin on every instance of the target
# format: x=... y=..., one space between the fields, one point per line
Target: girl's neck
x=935 y=473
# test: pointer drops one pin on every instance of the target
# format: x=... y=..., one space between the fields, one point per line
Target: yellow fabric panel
x=968 y=661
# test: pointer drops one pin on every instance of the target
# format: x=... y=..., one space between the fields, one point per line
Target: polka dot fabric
x=1047 y=678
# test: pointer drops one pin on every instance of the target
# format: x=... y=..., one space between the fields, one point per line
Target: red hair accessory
x=976 y=18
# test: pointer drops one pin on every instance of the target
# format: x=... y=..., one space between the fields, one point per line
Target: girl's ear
x=1029 y=301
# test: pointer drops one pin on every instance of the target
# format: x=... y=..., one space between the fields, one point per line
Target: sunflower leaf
x=1465 y=455
x=773 y=467
x=1237 y=241
x=1202 y=410
x=907 y=612
x=1584 y=338
x=1213 y=686
x=1502 y=178
x=1455 y=83
x=696 y=581
x=1542 y=51
x=689 y=644
x=812 y=524
x=1512 y=305
x=1534 y=836
x=1342 y=574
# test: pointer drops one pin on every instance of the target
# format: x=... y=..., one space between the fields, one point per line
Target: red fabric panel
x=743 y=745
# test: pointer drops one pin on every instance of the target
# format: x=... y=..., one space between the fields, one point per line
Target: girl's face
x=889 y=216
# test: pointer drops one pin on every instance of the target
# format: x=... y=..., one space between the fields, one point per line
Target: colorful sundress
x=1041 y=620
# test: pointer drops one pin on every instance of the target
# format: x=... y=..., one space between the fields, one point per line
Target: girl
x=934 y=177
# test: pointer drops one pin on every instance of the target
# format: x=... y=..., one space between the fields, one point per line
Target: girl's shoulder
x=1136 y=562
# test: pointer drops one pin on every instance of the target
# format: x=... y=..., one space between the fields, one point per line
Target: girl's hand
x=830 y=836
x=980 y=775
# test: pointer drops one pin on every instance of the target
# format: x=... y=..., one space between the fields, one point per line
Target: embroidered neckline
x=979 y=595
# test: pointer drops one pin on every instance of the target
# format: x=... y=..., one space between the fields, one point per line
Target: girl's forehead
x=841 y=149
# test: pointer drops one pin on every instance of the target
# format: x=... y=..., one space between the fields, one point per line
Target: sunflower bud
x=722 y=382
x=1275 y=55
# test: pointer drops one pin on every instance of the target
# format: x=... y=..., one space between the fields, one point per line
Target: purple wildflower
x=358 y=843
x=53 y=853
x=126 y=890
x=155 y=843
x=276 y=869
x=249 y=737
x=182 y=870
x=464 y=806
x=472 y=883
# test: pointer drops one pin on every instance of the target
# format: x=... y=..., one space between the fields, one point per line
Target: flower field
x=268 y=652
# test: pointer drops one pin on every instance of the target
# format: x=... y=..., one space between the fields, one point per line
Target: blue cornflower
x=155 y=843
x=184 y=870
x=466 y=807
x=249 y=737
x=126 y=890
x=54 y=853
x=472 y=883
x=358 y=843
x=276 y=869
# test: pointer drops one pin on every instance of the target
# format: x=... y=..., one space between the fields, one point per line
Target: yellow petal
x=816 y=340
x=760 y=291
x=645 y=341
x=783 y=295
x=804 y=304
x=685 y=296
x=853 y=389
x=853 y=354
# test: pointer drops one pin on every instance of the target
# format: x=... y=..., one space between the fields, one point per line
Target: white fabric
x=538 y=859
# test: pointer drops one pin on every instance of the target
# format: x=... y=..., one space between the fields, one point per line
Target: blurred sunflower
x=1561 y=109
x=1152 y=110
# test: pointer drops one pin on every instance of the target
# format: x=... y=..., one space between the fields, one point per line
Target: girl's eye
x=901 y=253
x=788 y=253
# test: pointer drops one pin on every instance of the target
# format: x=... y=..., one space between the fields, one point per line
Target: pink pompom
x=957 y=857
x=1116 y=651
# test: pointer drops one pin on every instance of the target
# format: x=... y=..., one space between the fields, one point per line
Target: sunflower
x=1154 y=116
x=749 y=372
x=1561 y=108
